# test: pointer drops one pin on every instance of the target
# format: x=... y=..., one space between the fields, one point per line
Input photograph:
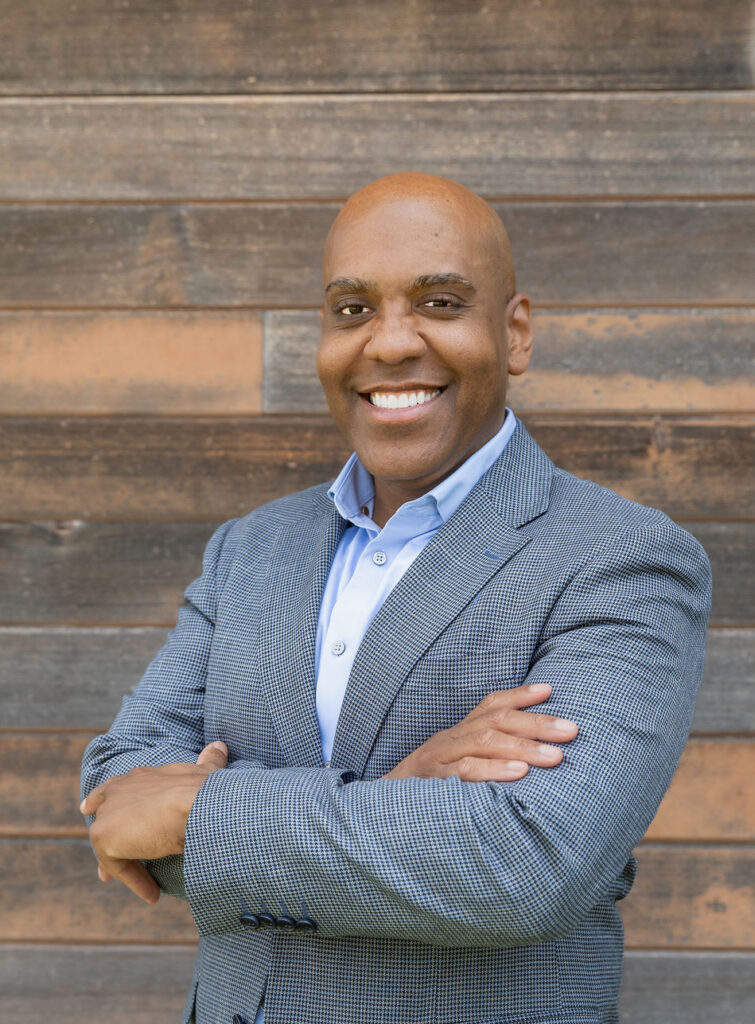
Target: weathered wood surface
x=692 y=897
x=54 y=677
x=85 y=255
x=211 y=469
x=232 y=46
x=148 y=985
x=680 y=360
x=98 y=573
x=711 y=797
x=688 y=988
x=265 y=148
x=685 y=896
x=92 y=984
x=56 y=895
x=191 y=362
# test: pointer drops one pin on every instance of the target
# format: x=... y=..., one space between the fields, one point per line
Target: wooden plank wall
x=167 y=174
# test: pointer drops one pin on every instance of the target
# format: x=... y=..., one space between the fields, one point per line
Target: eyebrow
x=358 y=284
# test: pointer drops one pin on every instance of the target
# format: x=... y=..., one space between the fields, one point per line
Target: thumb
x=214 y=755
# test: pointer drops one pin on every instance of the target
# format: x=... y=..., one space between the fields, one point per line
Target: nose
x=394 y=338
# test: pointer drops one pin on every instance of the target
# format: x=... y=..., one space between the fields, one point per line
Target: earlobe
x=520 y=335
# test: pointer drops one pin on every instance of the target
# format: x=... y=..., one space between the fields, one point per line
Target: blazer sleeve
x=450 y=863
x=162 y=720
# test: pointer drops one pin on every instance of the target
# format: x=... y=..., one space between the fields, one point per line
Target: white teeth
x=401 y=399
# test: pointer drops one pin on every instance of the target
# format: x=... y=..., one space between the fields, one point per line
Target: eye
x=351 y=309
x=442 y=302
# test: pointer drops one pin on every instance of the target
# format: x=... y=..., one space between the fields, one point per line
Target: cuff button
x=305 y=924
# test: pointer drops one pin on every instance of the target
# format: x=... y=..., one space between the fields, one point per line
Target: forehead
x=403 y=239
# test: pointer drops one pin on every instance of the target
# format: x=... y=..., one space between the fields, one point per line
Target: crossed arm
x=142 y=815
x=455 y=847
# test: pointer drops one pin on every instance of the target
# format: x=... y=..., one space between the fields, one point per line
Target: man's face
x=413 y=357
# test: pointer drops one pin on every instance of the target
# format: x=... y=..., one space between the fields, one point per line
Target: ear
x=519 y=331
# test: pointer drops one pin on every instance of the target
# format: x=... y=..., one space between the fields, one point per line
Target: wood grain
x=104 y=573
x=56 y=895
x=211 y=469
x=687 y=988
x=148 y=985
x=163 y=255
x=692 y=897
x=56 y=677
x=685 y=897
x=89 y=984
x=681 y=360
x=710 y=798
x=230 y=46
x=326 y=147
x=195 y=363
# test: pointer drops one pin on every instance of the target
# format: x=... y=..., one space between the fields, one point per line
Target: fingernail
x=517 y=766
x=549 y=751
x=99 y=873
x=82 y=805
x=219 y=745
x=563 y=725
x=539 y=687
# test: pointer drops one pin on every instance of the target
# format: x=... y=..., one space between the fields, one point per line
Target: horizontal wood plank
x=103 y=573
x=684 y=896
x=211 y=469
x=135 y=573
x=56 y=895
x=148 y=985
x=711 y=796
x=680 y=360
x=266 y=148
x=687 y=988
x=710 y=799
x=81 y=255
x=692 y=897
x=54 y=677
x=196 y=363
x=89 y=984
x=232 y=46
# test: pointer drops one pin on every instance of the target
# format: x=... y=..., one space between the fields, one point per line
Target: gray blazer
x=349 y=899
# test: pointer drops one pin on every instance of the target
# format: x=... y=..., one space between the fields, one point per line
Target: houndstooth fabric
x=435 y=900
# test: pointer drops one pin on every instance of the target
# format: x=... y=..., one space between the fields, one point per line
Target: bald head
x=466 y=213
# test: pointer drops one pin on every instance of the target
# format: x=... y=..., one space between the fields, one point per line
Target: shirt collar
x=353 y=490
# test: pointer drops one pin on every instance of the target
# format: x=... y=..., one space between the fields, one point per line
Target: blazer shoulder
x=603 y=518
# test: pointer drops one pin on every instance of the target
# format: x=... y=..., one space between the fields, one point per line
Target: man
x=388 y=841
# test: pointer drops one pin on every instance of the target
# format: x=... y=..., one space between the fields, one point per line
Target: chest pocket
x=459 y=668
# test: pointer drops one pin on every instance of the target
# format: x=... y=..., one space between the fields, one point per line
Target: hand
x=496 y=742
x=142 y=815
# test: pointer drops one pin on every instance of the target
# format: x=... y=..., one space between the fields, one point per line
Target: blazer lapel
x=297 y=573
x=480 y=537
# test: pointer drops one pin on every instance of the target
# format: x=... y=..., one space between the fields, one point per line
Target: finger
x=531 y=725
x=214 y=755
x=488 y=769
x=517 y=697
x=134 y=875
x=489 y=743
x=91 y=802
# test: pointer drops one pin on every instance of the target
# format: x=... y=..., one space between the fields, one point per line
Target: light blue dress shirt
x=369 y=562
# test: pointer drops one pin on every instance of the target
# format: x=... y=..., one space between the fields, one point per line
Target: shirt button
x=379 y=558
x=337 y=648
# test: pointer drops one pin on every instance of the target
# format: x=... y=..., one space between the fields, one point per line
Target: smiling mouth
x=402 y=399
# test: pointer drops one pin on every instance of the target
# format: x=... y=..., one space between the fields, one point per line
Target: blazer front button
x=305 y=924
